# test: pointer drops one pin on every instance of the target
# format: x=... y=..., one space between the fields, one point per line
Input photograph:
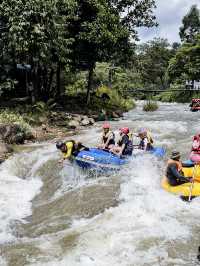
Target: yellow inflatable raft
x=184 y=190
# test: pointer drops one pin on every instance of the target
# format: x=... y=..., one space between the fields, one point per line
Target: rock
x=115 y=115
x=5 y=150
x=14 y=133
x=85 y=122
x=77 y=118
x=11 y=133
x=92 y=121
x=73 y=124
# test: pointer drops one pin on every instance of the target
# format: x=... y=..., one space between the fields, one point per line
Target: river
x=60 y=216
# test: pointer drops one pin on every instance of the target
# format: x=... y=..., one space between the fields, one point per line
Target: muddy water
x=54 y=215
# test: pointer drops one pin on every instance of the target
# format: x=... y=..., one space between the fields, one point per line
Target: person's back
x=146 y=140
x=174 y=172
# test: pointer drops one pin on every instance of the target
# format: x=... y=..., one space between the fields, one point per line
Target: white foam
x=15 y=196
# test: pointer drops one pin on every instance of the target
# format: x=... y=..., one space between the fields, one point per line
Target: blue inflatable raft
x=99 y=159
x=104 y=160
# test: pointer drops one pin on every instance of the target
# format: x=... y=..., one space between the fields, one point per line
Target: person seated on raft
x=146 y=140
x=196 y=144
x=108 y=138
x=125 y=144
x=70 y=148
x=174 y=174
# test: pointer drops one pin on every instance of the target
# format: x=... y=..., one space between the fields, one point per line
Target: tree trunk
x=58 y=79
x=89 y=85
x=35 y=85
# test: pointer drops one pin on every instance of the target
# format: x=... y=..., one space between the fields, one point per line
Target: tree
x=186 y=63
x=153 y=60
x=191 y=25
x=36 y=34
x=104 y=27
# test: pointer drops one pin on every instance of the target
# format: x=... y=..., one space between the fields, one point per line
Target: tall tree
x=186 y=63
x=104 y=27
x=191 y=25
x=153 y=60
x=36 y=34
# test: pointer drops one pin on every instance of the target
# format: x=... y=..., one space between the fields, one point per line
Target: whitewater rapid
x=52 y=215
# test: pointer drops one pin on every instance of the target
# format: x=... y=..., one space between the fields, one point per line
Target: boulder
x=92 y=121
x=14 y=133
x=85 y=122
x=115 y=115
x=73 y=124
x=77 y=118
x=5 y=150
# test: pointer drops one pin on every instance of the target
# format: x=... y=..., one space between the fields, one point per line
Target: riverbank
x=16 y=128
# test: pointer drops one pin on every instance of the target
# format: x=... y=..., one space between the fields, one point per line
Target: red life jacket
x=196 y=149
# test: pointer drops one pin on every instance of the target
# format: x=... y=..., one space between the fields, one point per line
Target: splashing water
x=53 y=215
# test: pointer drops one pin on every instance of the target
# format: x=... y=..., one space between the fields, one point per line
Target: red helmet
x=106 y=125
x=124 y=130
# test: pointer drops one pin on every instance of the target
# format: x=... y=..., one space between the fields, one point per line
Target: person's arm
x=109 y=138
x=145 y=143
x=177 y=175
x=122 y=149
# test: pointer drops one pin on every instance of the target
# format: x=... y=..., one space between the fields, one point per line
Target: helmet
x=142 y=131
x=124 y=130
x=106 y=125
x=175 y=155
x=59 y=144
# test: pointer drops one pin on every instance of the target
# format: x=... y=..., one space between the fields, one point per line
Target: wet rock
x=85 y=122
x=13 y=133
x=92 y=121
x=77 y=118
x=5 y=151
x=115 y=115
x=73 y=124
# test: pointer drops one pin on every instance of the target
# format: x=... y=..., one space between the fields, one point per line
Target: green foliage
x=176 y=96
x=36 y=33
x=186 y=63
x=12 y=117
x=150 y=106
x=191 y=25
x=115 y=101
x=153 y=60
x=42 y=107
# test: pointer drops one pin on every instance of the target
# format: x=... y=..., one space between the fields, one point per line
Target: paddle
x=192 y=185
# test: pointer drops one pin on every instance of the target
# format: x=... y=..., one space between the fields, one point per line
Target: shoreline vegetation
x=63 y=67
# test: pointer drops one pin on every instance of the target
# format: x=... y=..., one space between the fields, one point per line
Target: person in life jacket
x=174 y=174
x=108 y=137
x=146 y=141
x=70 y=148
x=196 y=144
x=125 y=144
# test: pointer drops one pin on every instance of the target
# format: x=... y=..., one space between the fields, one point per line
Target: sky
x=169 y=15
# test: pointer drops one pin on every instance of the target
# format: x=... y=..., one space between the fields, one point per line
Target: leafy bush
x=114 y=99
x=42 y=107
x=150 y=106
x=11 y=117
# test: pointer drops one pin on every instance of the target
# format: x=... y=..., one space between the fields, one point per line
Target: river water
x=53 y=215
